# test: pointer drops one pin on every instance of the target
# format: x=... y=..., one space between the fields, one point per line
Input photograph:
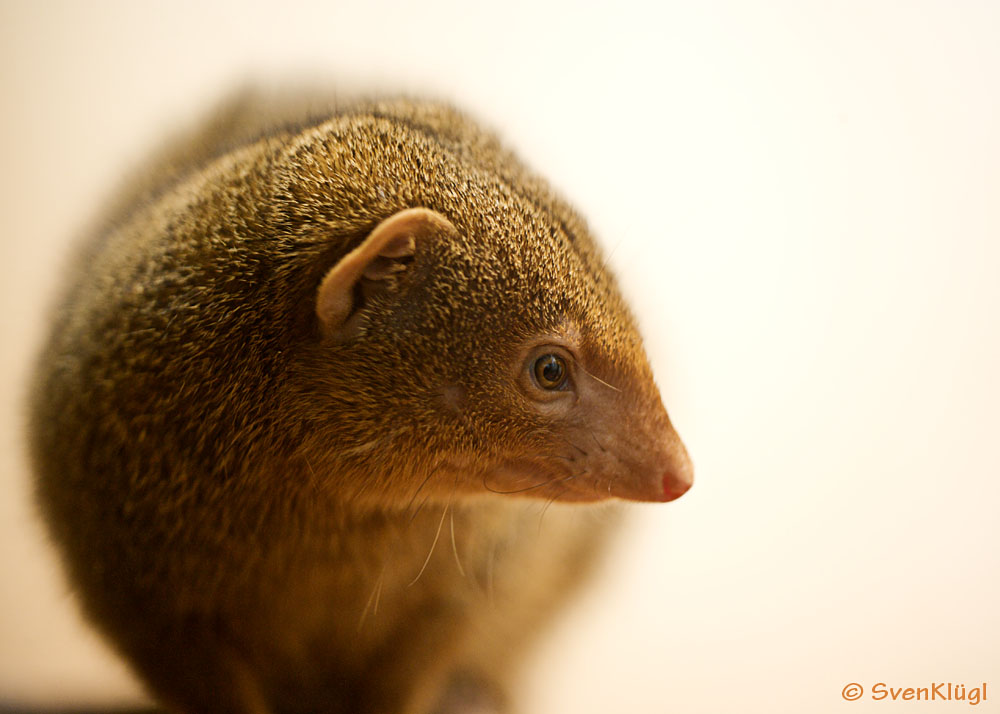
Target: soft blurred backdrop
x=800 y=199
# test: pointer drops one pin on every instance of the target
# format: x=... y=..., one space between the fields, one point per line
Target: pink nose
x=675 y=485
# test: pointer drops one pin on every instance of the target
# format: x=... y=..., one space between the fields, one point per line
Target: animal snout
x=676 y=484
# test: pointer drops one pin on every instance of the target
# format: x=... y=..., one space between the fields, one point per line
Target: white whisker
x=598 y=379
x=454 y=546
x=437 y=535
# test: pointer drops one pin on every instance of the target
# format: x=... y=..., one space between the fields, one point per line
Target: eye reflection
x=550 y=371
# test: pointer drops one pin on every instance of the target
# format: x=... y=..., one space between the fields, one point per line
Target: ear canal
x=378 y=257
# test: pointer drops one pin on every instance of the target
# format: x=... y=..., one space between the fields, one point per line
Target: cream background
x=801 y=200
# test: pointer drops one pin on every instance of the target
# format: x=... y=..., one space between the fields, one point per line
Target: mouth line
x=524 y=476
x=539 y=486
x=542 y=479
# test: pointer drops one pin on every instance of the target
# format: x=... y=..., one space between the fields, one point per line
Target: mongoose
x=335 y=412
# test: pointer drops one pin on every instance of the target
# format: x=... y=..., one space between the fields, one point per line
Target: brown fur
x=266 y=519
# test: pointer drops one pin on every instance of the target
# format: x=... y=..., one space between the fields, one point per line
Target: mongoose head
x=475 y=343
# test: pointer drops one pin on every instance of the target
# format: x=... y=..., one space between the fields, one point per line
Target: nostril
x=674 y=486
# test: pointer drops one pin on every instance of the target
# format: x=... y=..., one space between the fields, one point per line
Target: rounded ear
x=370 y=267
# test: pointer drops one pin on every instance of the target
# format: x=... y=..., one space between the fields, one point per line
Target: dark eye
x=550 y=371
